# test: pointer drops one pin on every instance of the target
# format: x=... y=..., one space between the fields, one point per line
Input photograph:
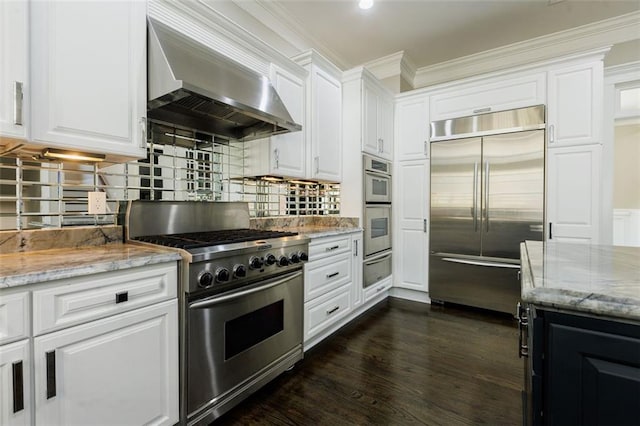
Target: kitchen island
x=581 y=319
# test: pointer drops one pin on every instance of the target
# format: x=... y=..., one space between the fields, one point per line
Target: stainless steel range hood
x=192 y=86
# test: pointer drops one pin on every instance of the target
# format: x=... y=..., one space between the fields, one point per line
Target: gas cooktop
x=191 y=240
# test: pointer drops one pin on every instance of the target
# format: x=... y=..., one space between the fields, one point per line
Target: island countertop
x=593 y=279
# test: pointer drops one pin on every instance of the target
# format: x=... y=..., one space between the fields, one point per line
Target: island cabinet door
x=121 y=370
x=593 y=372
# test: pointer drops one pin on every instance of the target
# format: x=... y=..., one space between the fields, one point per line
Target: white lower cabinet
x=15 y=384
x=104 y=350
x=378 y=288
x=121 y=370
x=573 y=193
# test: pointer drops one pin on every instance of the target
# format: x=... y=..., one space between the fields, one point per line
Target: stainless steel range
x=242 y=299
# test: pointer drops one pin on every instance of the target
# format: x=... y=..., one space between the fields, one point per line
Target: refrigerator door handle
x=486 y=194
x=475 y=197
x=482 y=263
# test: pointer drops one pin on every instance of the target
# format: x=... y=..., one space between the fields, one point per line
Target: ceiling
x=432 y=31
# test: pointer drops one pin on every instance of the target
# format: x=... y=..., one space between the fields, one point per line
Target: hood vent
x=193 y=87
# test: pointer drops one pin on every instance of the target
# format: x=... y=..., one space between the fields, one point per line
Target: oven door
x=235 y=338
x=377 y=188
x=377 y=229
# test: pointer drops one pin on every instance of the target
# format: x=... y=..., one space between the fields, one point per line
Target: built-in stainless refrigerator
x=487 y=196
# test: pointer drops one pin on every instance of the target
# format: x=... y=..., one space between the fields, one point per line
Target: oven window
x=379 y=227
x=250 y=329
x=379 y=186
x=379 y=165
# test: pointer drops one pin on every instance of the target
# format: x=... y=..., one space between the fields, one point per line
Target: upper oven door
x=377 y=187
x=377 y=229
x=232 y=336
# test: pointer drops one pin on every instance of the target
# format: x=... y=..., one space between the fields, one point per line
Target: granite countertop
x=32 y=267
x=593 y=279
x=322 y=231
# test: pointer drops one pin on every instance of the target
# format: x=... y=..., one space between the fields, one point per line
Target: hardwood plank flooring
x=401 y=363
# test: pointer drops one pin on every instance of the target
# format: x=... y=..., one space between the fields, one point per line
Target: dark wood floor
x=401 y=363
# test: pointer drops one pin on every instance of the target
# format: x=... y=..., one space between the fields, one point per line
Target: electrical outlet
x=97 y=202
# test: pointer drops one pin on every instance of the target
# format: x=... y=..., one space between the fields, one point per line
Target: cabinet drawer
x=14 y=317
x=328 y=246
x=373 y=290
x=326 y=274
x=326 y=310
x=84 y=299
x=491 y=96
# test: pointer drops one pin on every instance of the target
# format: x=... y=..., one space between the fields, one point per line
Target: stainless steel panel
x=376 y=164
x=455 y=196
x=514 y=120
x=215 y=376
x=376 y=268
x=377 y=188
x=489 y=283
x=173 y=217
x=377 y=229
x=513 y=192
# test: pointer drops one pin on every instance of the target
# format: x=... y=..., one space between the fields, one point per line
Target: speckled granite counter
x=321 y=231
x=594 y=279
x=18 y=269
x=311 y=226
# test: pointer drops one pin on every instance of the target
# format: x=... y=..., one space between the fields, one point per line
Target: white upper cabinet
x=288 y=151
x=412 y=128
x=324 y=126
x=573 y=193
x=574 y=115
x=14 y=70
x=88 y=75
x=497 y=94
x=377 y=118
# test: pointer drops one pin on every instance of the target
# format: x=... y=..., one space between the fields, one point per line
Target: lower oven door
x=235 y=337
x=376 y=268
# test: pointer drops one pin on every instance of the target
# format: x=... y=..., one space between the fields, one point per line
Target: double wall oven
x=241 y=304
x=377 y=219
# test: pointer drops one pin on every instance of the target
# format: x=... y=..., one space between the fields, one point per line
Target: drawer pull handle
x=379 y=289
x=332 y=248
x=330 y=311
x=51 y=373
x=481 y=110
x=18 y=387
x=335 y=274
x=122 y=296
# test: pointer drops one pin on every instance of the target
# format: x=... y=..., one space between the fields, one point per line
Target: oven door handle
x=214 y=300
x=377 y=258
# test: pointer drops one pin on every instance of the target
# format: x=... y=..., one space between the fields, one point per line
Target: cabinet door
x=14 y=71
x=412 y=129
x=122 y=370
x=411 y=254
x=385 y=125
x=573 y=193
x=575 y=105
x=15 y=384
x=356 y=275
x=370 y=138
x=88 y=60
x=288 y=150
x=326 y=130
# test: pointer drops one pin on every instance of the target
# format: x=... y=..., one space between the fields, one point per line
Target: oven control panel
x=245 y=267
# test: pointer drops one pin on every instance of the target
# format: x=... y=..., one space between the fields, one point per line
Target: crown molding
x=600 y=34
x=312 y=56
x=632 y=69
x=393 y=65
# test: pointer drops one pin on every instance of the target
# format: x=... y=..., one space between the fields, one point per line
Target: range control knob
x=270 y=259
x=294 y=258
x=255 y=262
x=205 y=279
x=222 y=275
x=303 y=256
x=283 y=261
x=239 y=271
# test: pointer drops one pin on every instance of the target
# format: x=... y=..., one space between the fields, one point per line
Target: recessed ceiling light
x=365 y=4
